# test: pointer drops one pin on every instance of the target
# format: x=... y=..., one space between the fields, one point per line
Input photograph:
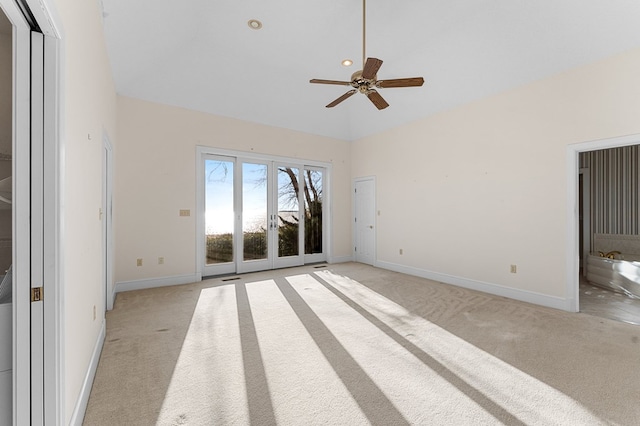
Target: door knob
x=371 y=226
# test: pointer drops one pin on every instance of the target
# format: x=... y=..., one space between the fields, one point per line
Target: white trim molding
x=83 y=399
x=157 y=282
x=490 y=288
x=340 y=259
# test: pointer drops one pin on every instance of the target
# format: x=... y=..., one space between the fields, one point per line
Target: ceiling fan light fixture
x=254 y=24
x=347 y=63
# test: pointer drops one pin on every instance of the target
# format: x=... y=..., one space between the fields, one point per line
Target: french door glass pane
x=288 y=211
x=313 y=211
x=254 y=210
x=219 y=215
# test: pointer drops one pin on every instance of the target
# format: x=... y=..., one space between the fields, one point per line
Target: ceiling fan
x=366 y=80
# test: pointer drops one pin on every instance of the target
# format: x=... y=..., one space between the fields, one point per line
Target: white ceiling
x=201 y=54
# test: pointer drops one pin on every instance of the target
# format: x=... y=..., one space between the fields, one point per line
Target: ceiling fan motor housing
x=362 y=84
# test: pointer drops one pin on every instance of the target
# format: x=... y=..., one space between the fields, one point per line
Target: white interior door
x=365 y=221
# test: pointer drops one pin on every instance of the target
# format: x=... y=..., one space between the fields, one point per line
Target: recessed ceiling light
x=347 y=62
x=254 y=24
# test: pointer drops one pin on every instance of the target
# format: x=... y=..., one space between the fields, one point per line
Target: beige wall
x=470 y=191
x=89 y=107
x=155 y=178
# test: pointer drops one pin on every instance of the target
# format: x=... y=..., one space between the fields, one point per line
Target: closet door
x=37 y=229
x=6 y=222
x=28 y=227
x=34 y=205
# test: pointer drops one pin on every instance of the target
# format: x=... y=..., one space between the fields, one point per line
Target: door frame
x=354 y=206
x=202 y=151
x=572 y=289
x=107 y=218
x=586 y=217
x=54 y=336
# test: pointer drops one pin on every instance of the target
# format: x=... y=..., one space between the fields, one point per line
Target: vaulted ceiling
x=202 y=55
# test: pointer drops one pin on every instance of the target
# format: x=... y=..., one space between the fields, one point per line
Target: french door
x=260 y=214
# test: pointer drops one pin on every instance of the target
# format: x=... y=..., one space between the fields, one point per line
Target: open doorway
x=609 y=213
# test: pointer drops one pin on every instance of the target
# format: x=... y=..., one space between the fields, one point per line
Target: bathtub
x=621 y=275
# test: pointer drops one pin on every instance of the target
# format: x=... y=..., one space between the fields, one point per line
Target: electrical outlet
x=514 y=269
x=161 y=261
x=139 y=262
x=185 y=212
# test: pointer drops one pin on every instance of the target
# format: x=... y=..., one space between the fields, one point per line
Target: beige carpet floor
x=349 y=344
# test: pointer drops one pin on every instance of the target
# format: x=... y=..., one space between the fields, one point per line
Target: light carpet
x=350 y=344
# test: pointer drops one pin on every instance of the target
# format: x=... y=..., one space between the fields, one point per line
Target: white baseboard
x=341 y=259
x=111 y=298
x=495 y=289
x=85 y=391
x=157 y=282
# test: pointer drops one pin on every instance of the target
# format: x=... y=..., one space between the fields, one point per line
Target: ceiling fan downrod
x=364 y=31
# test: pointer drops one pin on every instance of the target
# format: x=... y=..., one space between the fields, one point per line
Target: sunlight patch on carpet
x=525 y=397
x=321 y=348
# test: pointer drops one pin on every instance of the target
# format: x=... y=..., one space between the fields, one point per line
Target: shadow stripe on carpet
x=490 y=406
x=378 y=409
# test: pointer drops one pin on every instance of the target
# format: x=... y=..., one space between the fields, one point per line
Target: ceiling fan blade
x=339 y=83
x=371 y=68
x=377 y=100
x=342 y=98
x=401 y=82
